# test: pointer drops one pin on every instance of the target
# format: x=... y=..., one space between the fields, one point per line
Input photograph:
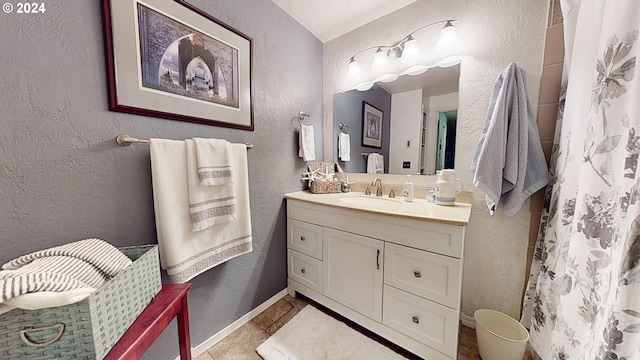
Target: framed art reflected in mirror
x=371 y=125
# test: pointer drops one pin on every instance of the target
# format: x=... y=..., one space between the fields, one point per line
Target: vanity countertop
x=457 y=214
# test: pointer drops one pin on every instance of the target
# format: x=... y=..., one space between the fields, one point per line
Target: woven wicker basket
x=325 y=186
x=87 y=329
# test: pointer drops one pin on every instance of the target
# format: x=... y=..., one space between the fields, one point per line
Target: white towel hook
x=344 y=127
x=302 y=115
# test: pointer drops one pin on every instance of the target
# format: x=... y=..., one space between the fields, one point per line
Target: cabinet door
x=352 y=271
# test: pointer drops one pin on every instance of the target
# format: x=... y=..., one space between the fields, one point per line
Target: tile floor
x=242 y=343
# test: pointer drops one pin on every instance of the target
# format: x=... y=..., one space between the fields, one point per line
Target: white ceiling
x=328 y=19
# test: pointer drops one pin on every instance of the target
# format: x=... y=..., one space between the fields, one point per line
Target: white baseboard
x=468 y=321
x=200 y=349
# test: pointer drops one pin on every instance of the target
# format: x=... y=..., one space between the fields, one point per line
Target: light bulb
x=354 y=68
x=380 y=61
x=411 y=49
x=448 y=38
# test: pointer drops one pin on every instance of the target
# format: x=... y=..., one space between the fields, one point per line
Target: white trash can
x=500 y=337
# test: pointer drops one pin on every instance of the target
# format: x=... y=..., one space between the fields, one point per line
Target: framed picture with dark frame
x=371 y=125
x=171 y=60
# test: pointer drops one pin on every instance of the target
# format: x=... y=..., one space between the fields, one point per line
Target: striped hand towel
x=78 y=268
x=213 y=161
x=208 y=205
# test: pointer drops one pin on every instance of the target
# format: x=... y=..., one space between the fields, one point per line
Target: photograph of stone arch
x=178 y=59
x=371 y=125
x=170 y=59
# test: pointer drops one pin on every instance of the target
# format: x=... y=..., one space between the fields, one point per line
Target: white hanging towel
x=184 y=253
x=307 y=145
x=509 y=162
x=210 y=204
x=213 y=161
x=375 y=163
x=344 y=147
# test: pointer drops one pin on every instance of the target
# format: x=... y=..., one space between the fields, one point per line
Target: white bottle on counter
x=408 y=189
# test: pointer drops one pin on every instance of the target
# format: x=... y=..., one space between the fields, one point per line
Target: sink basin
x=369 y=200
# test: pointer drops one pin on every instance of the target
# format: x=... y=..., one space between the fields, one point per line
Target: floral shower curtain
x=583 y=296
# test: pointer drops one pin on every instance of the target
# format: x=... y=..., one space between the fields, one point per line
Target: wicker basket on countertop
x=328 y=185
x=87 y=329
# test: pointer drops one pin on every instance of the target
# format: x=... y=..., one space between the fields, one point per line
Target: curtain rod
x=126 y=140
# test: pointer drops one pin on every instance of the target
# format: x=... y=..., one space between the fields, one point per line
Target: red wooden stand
x=170 y=302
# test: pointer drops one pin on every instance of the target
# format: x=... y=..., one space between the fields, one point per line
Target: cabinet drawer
x=305 y=270
x=305 y=238
x=422 y=320
x=431 y=276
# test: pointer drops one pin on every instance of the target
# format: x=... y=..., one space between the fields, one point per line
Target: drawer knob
x=416 y=320
x=302 y=238
x=303 y=270
x=417 y=274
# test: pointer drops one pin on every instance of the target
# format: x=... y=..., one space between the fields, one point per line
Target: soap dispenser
x=408 y=189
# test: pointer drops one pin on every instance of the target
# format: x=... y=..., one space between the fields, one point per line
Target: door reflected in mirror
x=446 y=139
x=419 y=123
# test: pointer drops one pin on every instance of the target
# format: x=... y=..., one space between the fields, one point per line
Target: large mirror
x=417 y=124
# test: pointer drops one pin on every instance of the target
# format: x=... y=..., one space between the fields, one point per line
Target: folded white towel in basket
x=59 y=276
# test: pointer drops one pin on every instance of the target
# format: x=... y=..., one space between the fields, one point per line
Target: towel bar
x=126 y=140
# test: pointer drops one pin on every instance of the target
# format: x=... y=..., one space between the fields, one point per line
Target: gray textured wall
x=347 y=109
x=63 y=177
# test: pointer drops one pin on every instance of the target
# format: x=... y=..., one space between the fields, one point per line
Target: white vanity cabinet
x=398 y=276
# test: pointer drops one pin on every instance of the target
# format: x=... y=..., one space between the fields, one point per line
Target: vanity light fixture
x=448 y=38
x=402 y=58
x=379 y=60
x=354 y=68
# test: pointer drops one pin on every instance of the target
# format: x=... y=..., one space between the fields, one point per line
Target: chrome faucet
x=378 y=183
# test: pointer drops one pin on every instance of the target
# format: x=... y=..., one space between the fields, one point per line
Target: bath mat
x=314 y=335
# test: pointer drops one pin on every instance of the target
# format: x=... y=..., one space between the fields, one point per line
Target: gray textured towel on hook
x=509 y=162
